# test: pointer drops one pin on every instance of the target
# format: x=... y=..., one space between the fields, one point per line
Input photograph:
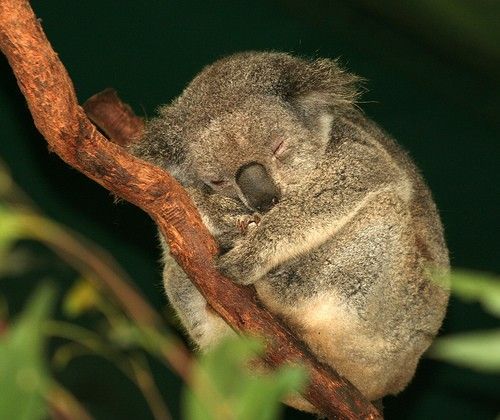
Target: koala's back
x=364 y=300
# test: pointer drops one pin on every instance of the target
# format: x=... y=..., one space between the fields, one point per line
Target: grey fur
x=345 y=255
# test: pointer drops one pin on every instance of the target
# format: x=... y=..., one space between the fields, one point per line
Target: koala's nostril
x=267 y=203
x=257 y=186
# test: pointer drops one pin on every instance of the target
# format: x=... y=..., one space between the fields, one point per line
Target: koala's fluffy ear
x=318 y=89
x=162 y=143
x=322 y=84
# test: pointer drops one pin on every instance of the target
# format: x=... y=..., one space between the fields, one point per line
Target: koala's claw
x=248 y=222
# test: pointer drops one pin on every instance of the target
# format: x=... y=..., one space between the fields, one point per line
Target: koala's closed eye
x=279 y=148
x=218 y=182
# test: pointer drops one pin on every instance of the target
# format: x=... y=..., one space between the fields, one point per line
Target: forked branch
x=51 y=99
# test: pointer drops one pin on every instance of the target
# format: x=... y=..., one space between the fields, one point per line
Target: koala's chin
x=314 y=205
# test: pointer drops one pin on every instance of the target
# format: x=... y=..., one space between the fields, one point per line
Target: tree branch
x=115 y=118
x=51 y=99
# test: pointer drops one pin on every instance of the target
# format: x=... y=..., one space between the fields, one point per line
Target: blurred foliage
x=81 y=298
x=479 y=350
x=24 y=379
x=476 y=350
x=221 y=384
x=473 y=286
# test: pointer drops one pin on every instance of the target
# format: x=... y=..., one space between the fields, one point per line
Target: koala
x=314 y=205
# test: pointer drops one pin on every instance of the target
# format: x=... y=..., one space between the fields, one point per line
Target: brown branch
x=115 y=118
x=51 y=99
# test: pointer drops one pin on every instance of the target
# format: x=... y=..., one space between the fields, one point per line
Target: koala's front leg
x=291 y=229
x=246 y=261
x=286 y=231
x=226 y=218
x=248 y=222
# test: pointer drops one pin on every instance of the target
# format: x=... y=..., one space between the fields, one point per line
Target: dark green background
x=433 y=71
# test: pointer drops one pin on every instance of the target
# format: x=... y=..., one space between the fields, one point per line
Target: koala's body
x=314 y=205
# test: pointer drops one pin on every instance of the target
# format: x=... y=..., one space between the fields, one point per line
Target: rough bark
x=115 y=118
x=51 y=99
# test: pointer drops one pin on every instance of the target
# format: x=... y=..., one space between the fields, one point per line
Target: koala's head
x=250 y=126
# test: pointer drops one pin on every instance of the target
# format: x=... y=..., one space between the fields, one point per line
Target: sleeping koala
x=314 y=205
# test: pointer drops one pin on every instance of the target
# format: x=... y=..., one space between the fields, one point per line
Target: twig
x=48 y=90
x=115 y=118
x=145 y=381
x=64 y=406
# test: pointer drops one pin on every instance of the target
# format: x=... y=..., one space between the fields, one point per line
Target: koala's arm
x=332 y=196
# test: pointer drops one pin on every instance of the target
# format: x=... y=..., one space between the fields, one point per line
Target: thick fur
x=346 y=254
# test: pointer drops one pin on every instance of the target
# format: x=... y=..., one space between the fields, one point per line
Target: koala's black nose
x=257 y=186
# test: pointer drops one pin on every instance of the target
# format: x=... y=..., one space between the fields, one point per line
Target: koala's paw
x=248 y=222
x=239 y=265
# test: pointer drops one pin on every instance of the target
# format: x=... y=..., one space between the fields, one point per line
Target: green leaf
x=230 y=357
x=263 y=395
x=228 y=383
x=476 y=286
x=23 y=373
x=476 y=350
x=81 y=298
x=11 y=230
